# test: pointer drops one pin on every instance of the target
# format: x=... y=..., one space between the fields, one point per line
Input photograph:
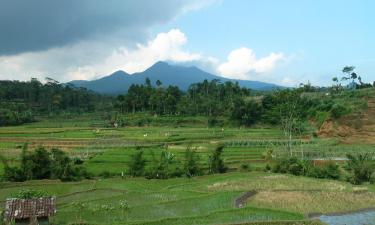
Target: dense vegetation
x=43 y=164
x=359 y=168
x=21 y=102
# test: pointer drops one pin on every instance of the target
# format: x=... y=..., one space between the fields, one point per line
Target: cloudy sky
x=284 y=42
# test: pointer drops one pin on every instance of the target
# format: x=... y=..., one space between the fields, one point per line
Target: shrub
x=77 y=161
x=361 y=167
x=372 y=178
x=137 y=164
x=268 y=168
x=161 y=169
x=191 y=166
x=339 y=110
x=29 y=194
x=245 y=167
x=296 y=169
x=216 y=162
x=330 y=171
x=281 y=166
x=41 y=164
x=306 y=168
x=289 y=165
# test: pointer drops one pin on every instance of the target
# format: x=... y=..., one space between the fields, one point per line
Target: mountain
x=180 y=76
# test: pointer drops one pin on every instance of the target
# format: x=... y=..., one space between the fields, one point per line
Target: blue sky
x=320 y=36
x=280 y=41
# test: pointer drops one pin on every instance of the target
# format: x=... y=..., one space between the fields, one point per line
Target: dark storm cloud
x=34 y=25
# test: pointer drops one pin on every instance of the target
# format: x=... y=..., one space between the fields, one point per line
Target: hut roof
x=16 y=208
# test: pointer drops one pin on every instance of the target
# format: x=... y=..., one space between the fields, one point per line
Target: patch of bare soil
x=352 y=129
x=241 y=201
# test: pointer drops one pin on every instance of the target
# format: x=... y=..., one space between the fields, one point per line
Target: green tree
x=216 y=162
x=191 y=164
x=137 y=164
x=361 y=166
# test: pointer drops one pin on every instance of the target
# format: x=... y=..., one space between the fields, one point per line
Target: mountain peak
x=119 y=73
x=169 y=74
x=159 y=65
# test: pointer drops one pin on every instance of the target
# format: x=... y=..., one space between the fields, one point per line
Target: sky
x=283 y=42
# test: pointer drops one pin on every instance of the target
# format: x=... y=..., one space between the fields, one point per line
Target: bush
x=41 y=164
x=137 y=164
x=329 y=171
x=289 y=165
x=29 y=194
x=245 y=167
x=361 y=167
x=192 y=167
x=77 y=161
x=372 y=178
x=216 y=162
x=339 y=110
x=267 y=168
x=306 y=168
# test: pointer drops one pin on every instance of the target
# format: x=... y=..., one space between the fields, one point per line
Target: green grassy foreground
x=201 y=200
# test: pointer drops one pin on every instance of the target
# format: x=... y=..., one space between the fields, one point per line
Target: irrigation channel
x=362 y=217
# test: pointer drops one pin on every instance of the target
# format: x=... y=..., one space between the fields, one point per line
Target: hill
x=180 y=76
x=357 y=126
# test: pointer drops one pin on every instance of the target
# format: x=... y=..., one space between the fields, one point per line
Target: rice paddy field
x=208 y=199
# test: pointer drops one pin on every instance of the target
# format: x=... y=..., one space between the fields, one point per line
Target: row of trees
x=43 y=164
x=289 y=108
x=209 y=98
x=21 y=101
x=359 y=168
x=165 y=167
x=142 y=98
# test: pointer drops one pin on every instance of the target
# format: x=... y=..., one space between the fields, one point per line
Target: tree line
x=43 y=164
x=166 y=165
x=22 y=101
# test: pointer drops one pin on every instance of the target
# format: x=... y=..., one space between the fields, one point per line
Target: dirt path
x=241 y=201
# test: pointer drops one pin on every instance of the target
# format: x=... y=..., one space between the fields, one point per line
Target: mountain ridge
x=181 y=76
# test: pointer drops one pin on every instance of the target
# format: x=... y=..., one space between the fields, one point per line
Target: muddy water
x=357 y=218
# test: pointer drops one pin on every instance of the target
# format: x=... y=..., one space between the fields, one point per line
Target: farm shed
x=29 y=211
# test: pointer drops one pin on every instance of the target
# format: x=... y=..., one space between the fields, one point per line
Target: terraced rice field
x=200 y=200
x=279 y=199
x=109 y=149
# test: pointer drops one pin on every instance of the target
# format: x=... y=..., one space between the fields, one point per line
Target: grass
x=109 y=149
x=280 y=199
x=314 y=201
x=200 y=200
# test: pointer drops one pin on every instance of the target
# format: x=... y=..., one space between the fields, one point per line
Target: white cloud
x=242 y=62
x=92 y=59
x=89 y=60
x=166 y=46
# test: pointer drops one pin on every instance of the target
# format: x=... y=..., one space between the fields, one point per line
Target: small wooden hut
x=29 y=211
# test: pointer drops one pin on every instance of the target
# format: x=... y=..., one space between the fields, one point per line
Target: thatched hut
x=29 y=211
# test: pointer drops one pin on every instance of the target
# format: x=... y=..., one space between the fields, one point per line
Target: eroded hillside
x=356 y=127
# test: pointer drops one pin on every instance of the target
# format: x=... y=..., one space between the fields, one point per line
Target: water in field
x=358 y=218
